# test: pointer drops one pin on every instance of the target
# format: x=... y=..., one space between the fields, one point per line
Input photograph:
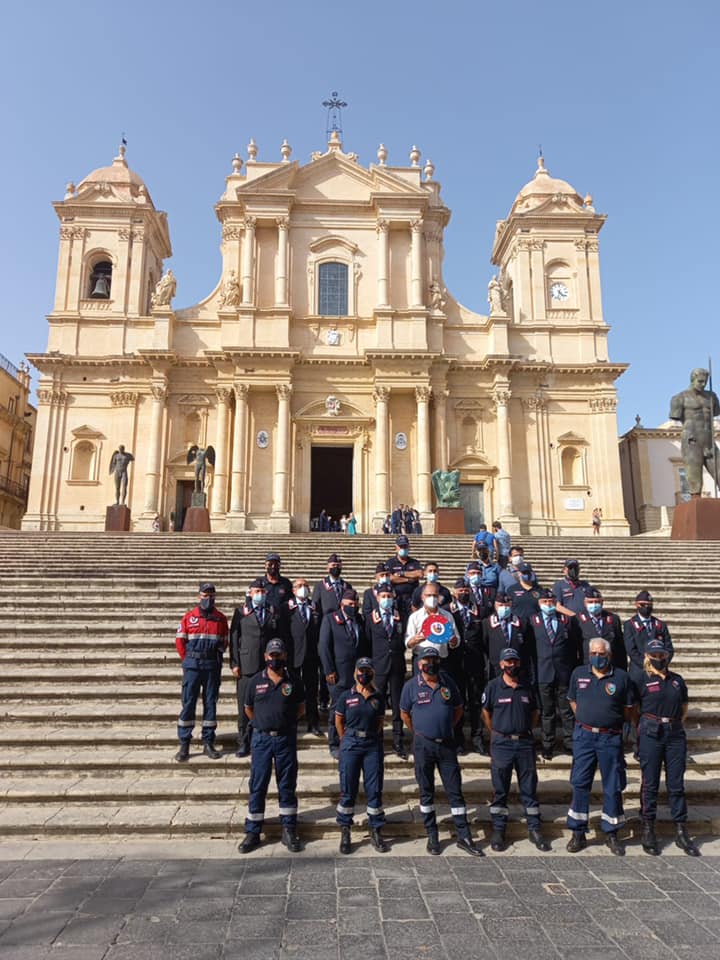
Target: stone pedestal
x=117 y=519
x=198 y=499
x=197 y=520
x=697 y=519
x=449 y=520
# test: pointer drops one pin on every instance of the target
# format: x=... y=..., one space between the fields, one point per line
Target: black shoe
x=243 y=749
x=536 y=837
x=683 y=841
x=378 y=841
x=497 y=841
x=210 y=751
x=399 y=748
x=433 y=844
x=183 y=754
x=469 y=846
x=460 y=750
x=577 y=842
x=547 y=754
x=315 y=730
x=649 y=840
x=291 y=840
x=479 y=746
x=345 y=844
x=323 y=707
x=614 y=845
x=251 y=841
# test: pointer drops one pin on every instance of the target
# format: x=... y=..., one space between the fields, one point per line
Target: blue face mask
x=386 y=603
x=548 y=610
x=600 y=661
x=503 y=612
x=475 y=579
x=258 y=599
x=593 y=608
x=383 y=582
x=432 y=578
x=402 y=552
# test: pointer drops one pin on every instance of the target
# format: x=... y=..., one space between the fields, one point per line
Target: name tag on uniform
x=504 y=699
x=583 y=682
x=424 y=696
x=352 y=701
x=262 y=688
x=525 y=699
x=653 y=687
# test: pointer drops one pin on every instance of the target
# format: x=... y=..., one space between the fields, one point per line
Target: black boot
x=433 y=843
x=378 y=841
x=398 y=745
x=649 y=840
x=683 y=841
x=497 y=841
x=535 y=836
x=251 y=842
x=467 y=844
x=345 y=844
x=478 y=745
x=183 y=754
x=614 y=845
x=243 y=748
x=577 y=842
x=210 y=751
x=291 y=839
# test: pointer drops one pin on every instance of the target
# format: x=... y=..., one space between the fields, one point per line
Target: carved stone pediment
x=86 y=432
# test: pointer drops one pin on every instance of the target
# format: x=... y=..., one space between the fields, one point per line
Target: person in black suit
x=596 y=621
x=253 y=626
x=302 y=632
x=501 y=630
x=370 y=596
x=386 y=642
x=639 y=630
x=469 y=622
x=328 y=591
x=342 y=642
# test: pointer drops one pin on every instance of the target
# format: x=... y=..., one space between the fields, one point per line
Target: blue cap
x=427 y=650
x=509 y=654
x=402 y=541
x=275 y=646
x=655 y=646
x=365 y=662
x=206 y=587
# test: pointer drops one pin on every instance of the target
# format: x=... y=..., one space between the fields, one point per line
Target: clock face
x=558 y=291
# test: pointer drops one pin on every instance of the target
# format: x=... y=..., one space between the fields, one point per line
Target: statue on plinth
x=201 y=457
x=230 y=291
x=119 y=462
x=165 y=290
x=446 y=484
x=696 y=409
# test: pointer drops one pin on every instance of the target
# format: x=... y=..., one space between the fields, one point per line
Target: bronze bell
x=101 y=290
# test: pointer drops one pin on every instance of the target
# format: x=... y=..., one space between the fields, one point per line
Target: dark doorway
x=472 y=500
x=183 y=498
x=331 y=476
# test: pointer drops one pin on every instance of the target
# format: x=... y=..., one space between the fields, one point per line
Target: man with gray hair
x=696 y=409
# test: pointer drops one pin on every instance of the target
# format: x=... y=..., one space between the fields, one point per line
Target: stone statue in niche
x=437 y=296
x=165 y=290
x=495 y=296
x=446 y=484
x=230 y=291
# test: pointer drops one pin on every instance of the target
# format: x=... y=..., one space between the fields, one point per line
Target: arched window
x=572 y=467
x=83 y=463
x=100 y=281
x=332 y=289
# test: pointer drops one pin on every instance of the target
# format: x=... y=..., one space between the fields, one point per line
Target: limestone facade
x=330 y=328
x=17 y=423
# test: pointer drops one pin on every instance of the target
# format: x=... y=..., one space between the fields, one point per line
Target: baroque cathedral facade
x=330 y=368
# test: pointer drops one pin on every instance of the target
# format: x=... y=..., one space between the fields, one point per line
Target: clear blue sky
x=622 y=96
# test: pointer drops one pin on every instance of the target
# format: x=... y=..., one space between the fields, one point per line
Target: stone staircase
x=90 y=681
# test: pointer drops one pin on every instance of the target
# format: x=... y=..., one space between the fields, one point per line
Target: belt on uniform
x=651 y=716
x=362 y=734
x=513 y=736
x=585 y=726
x=446 y=740
x=275 y=733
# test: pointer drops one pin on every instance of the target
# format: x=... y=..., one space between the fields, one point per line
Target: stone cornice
x=51 y=361
x=650 y=433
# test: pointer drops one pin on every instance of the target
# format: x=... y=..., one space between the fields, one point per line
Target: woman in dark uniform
x=359 y=715
x=661 y=703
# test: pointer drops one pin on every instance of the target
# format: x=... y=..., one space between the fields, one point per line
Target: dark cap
x=275 y=646
x=364 y=662
x=655 y=646
x=460 y=582
x=349 y=594
x=545 y=594
x=257 y=584
x=402 y=541
x=502 y=598
x=570 y=561
x=644 y=597
x=592 y=593
x=525 y=567
x=206 y=587
x=473 y=565
x=334 y=558
x=272 y=556
x=381 y=568
x=386 y=588
x=509 y=653
x=427 y=650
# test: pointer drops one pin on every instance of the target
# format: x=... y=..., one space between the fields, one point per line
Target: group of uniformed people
x=497 y=648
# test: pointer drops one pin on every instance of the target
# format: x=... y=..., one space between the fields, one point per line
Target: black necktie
x=338 y=590
x=648 y=627
x=550 y=629
x=388 y=623
x=504 y=625
x=598 y=626
x=305 y=613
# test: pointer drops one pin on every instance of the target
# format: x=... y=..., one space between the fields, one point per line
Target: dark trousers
x=393 y=682
x=430 y=755
x=280 y=752
x=244 y=725
x=658 y=744
x=553 y=700
x=518 y=755
x=196 y=680
x=361 y=755
x=590 y=751
x=474 y=685
x=335 y=690
x=310 y=673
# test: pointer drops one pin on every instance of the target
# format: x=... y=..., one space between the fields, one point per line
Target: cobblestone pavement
x=594 y=907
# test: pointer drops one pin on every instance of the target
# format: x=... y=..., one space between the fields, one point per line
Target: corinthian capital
x=158 y=390
x=381 y=394
x=283 y=390
x=382 y=226
x=223 y=394
x=501 y=396
x=250 y=223
x=423 y=394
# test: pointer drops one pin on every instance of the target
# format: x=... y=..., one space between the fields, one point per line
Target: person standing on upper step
x=597 y=621
x=431 y=574
x=201 y=640
x=570 y=592
x=405 y=573
x=386 y=643
x=301 y=633
x=328 y=592
x=483 y=539
x=510 y=576
x=274 y=702
x=342 y=641
x=503 y=629
x=278 y=589
x=359 y=716
x=661 y=704
x=370 y=596
x=525 y=594
x=502 y=544
x=253 y=626
x=639 y=629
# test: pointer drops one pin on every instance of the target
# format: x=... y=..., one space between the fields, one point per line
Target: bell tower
x=112 y=245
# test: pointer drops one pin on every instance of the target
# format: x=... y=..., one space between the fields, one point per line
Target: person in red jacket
x=201 y=640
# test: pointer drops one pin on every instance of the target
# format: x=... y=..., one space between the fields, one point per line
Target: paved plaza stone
x=125 y=907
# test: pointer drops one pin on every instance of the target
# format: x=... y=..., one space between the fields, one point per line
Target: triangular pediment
x=325 y=410
x=86 y=432
x=572 y=438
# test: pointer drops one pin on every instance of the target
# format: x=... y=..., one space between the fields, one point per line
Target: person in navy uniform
x=201 y=640
x=639 y=629
x=327 y=595
x=278 y=589
x=405 y=572
x=596 y=621
x=359 y=716
x=570 y=592
x=661 y=704
x=342 y=641
x=274 y=702
x=481 y=594
x=386 y=642
x=431 y=574
x=431 y=708
x=510 y=713
x=469 y=624
x=301 y=630
x=253 y=625
x=601 y=699
x=524 y=594
x=502 y=629
x=370 y=596
x=556 y=649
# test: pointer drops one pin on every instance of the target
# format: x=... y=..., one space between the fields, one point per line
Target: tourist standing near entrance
x=201 y=640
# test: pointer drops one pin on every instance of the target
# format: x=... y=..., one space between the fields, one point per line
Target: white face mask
x=431 y=602
x=302 y=593
x=516 y=560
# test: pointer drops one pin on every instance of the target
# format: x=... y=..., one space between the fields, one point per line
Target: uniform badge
x=483 y=699
x=445 y=693
x=194 y=619
x=676 y=684
x=373 y=702
x=610 y=689
x=286 y=689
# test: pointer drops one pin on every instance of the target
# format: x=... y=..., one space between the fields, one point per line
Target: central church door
x=331 y=481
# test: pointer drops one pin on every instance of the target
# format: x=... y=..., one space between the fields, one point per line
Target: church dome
x=541 y=188
x=118 y=176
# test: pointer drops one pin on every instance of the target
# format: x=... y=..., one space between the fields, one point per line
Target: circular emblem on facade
x=401 y=441
x=263 y=439
x=332 y=405
x=445 y=693
x=286 y=689
x=610 y=689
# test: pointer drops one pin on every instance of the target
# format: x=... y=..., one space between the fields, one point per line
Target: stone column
x=424 y=494
x=281 y=268
x=158 y=388
x=381 y=396
x=501 y=399
x=248 y=261
x=282 y=450
x=219 y=491
x=237 y=481
x=383 y=249
x=440 y=395
x=416 y=273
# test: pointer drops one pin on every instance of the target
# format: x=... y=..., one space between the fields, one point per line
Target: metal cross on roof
x=334 y=107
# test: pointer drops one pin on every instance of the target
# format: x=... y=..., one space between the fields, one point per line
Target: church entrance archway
x=473 y=502
x=331 y=481
x=183 y=499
